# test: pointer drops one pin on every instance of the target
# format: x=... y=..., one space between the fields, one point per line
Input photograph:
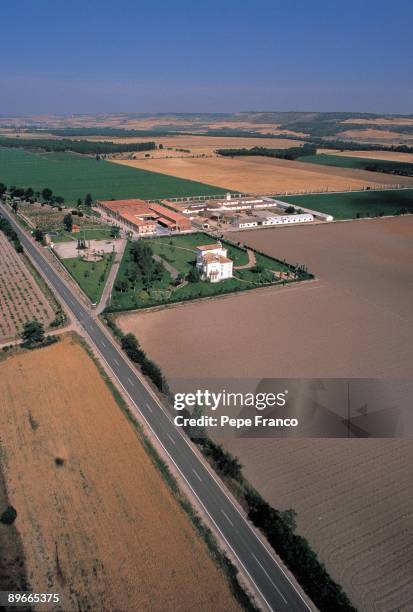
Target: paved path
x=107 y=291
x=277 y=591
x=251 y=261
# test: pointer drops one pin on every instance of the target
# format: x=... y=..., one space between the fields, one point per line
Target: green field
x=91 y=276
x=92 y=233
x=360 y=163
x=357 y=203
x=180 y=253
x=73 y=176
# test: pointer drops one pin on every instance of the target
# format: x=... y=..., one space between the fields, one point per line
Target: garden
x=157 y=271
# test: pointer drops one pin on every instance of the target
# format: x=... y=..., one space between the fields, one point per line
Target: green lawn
x=91 y=277
x=180 y=252
x=73 y=176
x=92 y=233
x=359 y=163
x=364 y=203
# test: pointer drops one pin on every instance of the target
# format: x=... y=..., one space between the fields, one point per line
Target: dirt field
x=391 y=121
x=99 y=526
x=266 y=175
x=384 y=155
x=354 y=504
x=377 y=136
x=21 y=299
x=353 y=500
x=200 y=145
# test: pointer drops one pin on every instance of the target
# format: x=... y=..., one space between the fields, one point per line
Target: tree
x=68 y=222
x=114 y=231
x=47 y=194
x=59 y=200
x=38 y=234
x=33 y=332
x=88 y=200
x=14 y=207
x=290 y=210
x=194 y=276
x=29 y=193
x=79 y=202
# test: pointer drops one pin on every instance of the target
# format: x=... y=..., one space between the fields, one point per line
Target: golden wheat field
x=97 y=521
x=265 y=175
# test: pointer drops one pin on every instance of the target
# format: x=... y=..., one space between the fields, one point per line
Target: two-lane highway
x=274 y=587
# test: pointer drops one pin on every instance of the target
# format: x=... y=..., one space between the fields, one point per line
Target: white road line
x=103 y=344
x=171 y=438
x=116 y=361
x=270 y=579
x=196 y=474
x=227 y=517
x=149 y=408
x=130 y=381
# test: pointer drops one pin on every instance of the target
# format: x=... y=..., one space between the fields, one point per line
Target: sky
x=96 y=56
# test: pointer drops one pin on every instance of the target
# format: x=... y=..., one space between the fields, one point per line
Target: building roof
x=136 y=219
x=169 y=214
x=211 y=257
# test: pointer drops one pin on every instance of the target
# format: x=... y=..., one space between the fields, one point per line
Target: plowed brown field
x=353 y=497
x=98 y=523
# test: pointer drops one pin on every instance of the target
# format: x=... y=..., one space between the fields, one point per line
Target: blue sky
x=205 y=56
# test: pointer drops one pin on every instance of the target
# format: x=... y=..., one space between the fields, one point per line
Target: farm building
x=142 y=217
x=213 y=263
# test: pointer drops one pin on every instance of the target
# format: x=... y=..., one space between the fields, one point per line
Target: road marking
x=196 y=474
x=171 y=438
x=103 y=344
x=227 y=517
x=270 y=579
x=149 y=408
x=130 y=381
x=116 y=361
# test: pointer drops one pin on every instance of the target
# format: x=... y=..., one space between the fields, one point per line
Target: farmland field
x=73 y=176
x=21 y=299
x=100 y=526
x=385 y=155
x=265 y=175
x=359 y=163
x=180 y=253
x=353 y=321
x=50 y=218
x=349 y=205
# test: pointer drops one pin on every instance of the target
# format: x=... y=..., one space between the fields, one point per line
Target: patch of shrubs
x=296 y=553
x=8 y=516
x=131 y=347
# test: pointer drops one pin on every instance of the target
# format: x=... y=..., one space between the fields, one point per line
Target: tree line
x=292 y=153
x=85 y=147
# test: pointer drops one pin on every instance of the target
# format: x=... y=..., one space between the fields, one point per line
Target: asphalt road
x=274 y=587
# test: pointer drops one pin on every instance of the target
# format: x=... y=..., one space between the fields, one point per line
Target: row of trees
x=7 y=229
x=85 y=147
x=291 y=154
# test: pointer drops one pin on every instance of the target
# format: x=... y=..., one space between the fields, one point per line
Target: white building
x=213 y=263
x=285 y=219
x=244 y=222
